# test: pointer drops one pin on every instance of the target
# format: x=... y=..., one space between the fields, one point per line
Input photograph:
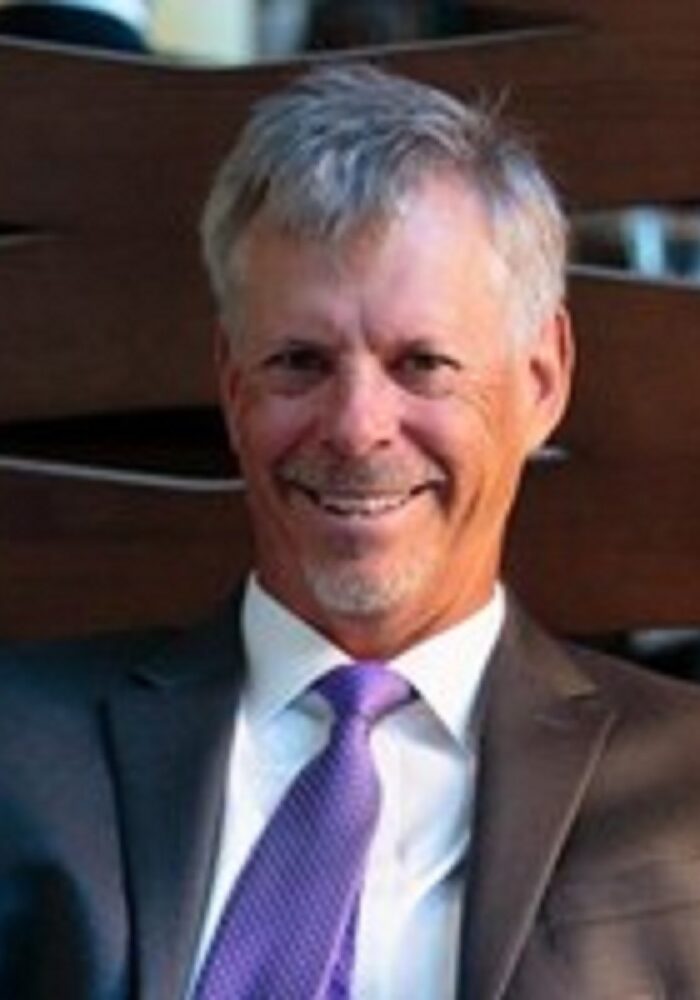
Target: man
x=393 y=346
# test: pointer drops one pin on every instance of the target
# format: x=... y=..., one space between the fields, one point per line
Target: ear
x=227 y=376
x=550 y=369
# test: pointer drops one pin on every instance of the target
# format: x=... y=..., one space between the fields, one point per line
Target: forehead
x=429 y=272
x=439 y=227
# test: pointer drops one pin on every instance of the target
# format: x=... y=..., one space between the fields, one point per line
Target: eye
x=427 y=371
x=299 y=358
x=295 y=368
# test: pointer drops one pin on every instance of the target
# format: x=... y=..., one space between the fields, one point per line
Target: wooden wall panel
x=106 y=160
x=637 y=388
x=79 y=556
x=600 y=546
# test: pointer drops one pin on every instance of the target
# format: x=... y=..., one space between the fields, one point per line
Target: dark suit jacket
x=583 y=878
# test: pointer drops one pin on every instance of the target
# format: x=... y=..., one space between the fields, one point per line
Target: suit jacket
x=583 y=876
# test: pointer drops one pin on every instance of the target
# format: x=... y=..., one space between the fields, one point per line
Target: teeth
x=361 y=506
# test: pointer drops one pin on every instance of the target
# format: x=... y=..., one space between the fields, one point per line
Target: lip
x=354 y=506
x=367 y=507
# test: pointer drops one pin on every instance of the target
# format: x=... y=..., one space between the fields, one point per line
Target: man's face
x=382 y=411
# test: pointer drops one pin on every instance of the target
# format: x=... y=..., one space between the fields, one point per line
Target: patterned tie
x=287 y=931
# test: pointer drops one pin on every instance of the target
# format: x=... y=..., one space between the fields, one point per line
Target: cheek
x=267 y=430
x=476 y=441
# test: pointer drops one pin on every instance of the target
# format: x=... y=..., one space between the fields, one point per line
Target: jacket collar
x=170 y=732
x=544 y=725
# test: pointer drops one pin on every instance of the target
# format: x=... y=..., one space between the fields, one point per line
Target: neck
x=387 y=635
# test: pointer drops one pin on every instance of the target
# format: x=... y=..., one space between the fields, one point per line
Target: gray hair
x=343 y=145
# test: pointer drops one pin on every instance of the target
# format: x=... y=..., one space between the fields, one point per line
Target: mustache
x=375 y=474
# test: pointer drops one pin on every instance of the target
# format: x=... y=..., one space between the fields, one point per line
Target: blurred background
x=660 y=242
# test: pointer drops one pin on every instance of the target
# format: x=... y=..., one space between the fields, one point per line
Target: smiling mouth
x=356 y=505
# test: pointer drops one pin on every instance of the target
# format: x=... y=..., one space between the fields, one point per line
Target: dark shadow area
x=185 y=442
x=78 y=26
x=673 y=652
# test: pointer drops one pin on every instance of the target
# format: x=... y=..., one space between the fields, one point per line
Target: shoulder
x=643 y=703
x=89 y=668
x=637 y=737
x=623 y=682
x=74 y=668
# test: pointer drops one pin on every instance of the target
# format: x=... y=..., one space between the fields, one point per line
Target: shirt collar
x=446 y=669
x=286 y=655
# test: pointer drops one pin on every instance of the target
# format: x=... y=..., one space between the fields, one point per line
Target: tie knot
x=367 y=688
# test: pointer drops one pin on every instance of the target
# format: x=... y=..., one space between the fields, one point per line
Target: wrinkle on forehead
x=353 y=241
x=381 y=249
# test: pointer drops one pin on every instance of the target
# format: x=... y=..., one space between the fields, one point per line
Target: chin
x=360 y=593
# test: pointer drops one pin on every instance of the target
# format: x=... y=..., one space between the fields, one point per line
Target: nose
x=361 y=414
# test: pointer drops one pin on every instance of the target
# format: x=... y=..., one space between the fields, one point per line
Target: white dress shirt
x=408 y=933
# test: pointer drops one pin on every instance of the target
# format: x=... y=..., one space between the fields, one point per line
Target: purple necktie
x=287 y=931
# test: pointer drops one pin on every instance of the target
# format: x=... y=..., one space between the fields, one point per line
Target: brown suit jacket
x=583 y=880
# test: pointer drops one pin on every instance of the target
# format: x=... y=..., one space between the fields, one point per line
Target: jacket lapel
x=544 y=726
x=171 y=733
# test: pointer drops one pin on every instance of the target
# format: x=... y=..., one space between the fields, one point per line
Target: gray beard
x=347 y=590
